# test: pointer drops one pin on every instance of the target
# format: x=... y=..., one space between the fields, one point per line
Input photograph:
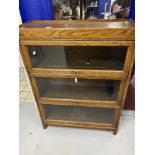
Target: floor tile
x=27 y=88
x=20 y=78
x=30 y=96
x=24 y=94
x=24 y=83
x=21 y=87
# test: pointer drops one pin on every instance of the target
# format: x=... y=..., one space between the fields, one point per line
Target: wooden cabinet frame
x=123 y=76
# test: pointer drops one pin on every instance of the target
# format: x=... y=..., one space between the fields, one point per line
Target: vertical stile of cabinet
x=31 y=39
x=25 y=59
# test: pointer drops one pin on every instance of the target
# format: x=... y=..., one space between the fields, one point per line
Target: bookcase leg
x=44 y=126
x=114 y=131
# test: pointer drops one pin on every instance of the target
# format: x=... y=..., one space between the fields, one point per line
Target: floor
x=34 y=140
x=25 y=94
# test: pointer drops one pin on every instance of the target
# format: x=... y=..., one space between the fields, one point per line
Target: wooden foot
x=114 y=131
x=44 y=126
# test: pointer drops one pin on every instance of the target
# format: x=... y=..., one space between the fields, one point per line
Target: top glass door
x=78 y=57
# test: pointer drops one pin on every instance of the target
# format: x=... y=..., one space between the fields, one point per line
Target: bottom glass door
x=79 y=114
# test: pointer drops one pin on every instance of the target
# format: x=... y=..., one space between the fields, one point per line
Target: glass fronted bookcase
x=79 y=78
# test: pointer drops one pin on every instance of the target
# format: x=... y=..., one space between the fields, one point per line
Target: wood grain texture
x=128 y=60
x=80 y=115
x=126 y=84
x=99 y=34
x=79 y=33
x=27 y=64
x=77 y=23
x=121 y=90
x=83 y=74
x=77 y=30
x=74 y=102
x=24 y=52
x=39 y=106
x=77 y=43
x=31 y=23
x=79 y=124
x=117 y=109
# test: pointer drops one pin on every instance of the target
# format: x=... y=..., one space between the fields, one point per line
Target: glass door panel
x=78 y=57
x=79 y=114
x=78 y=89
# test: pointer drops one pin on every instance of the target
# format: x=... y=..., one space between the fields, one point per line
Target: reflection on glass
x=82 y=89
x=78 y=57
x=79 y=114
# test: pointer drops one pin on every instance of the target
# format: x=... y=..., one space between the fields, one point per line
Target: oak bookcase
x=79 y=71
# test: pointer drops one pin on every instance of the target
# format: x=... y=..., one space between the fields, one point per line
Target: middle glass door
x=78 y=89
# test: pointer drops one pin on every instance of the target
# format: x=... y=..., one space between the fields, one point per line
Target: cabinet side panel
x=128 y=60
x=126 y=84
x=22 y=52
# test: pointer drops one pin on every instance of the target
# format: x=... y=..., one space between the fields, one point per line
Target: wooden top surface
x=77 y=30
x=77 y=24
